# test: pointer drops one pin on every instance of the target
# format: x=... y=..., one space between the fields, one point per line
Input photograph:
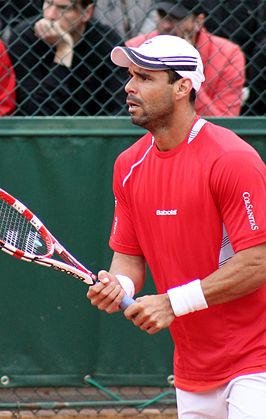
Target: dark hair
x=191 y=6
x=173 y=77
x=83 y=3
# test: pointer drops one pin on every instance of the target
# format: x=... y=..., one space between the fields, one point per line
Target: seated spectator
x=243 y=22
x=224 y=62
x=128 y=17
x=62 y=63
x=7 y=83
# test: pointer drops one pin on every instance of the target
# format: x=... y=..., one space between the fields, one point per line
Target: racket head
x=22 y=234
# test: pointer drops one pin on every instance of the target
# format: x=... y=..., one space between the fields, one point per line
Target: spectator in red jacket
x=223 y=60
x=7 y=83
x=243 y=22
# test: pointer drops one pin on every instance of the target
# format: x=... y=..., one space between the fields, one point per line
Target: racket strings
x=17 y=231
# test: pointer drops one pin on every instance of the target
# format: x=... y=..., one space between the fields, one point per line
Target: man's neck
x=167 y=138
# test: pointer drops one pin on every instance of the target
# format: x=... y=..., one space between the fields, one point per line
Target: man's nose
x=130 y=86
x=51 y=12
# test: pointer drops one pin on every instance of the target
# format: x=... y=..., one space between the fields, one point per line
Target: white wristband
x=187 y=298
x=127 y=284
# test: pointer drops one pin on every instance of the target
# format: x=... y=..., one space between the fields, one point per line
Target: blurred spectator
x=244 y=22
x=7 y=83
x=129 y=17
x=224 y=63
x=62 y=62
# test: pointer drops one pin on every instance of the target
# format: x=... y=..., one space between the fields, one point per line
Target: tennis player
x=190 y=201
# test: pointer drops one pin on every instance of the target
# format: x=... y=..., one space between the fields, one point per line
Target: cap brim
x=120 y=57
x=123 y=57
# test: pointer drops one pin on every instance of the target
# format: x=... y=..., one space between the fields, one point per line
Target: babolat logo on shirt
x=166 y=212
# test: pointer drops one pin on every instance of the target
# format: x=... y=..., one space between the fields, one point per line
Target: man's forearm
x=243 y=274
x=130 y=266
x=64 y=55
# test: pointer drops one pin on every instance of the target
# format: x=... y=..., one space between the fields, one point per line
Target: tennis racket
x=24 y=236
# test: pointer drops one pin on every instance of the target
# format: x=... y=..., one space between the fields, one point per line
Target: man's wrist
x=187 y=298
x=127 y=284
x=64 y=55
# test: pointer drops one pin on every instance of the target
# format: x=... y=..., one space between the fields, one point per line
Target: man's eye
x=144 y=77
x=65 y=8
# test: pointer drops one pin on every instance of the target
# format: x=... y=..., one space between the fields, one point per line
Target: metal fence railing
x=38 y=79
x=89 y=401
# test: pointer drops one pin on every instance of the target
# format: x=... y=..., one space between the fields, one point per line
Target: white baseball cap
x=164 y=52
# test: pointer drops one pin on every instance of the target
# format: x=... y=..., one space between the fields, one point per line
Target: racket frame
x=72 y=266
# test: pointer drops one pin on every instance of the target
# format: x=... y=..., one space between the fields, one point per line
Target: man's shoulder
x=139 y=39
x=224 y=140
x=98 y=33
x=136 y=151
x=220 y=43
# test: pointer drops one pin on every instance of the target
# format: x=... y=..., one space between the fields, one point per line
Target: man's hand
x=151 y=313
x=52 y=33
x=107 y=294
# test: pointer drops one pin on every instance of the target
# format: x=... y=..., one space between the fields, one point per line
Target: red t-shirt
x=187 y=211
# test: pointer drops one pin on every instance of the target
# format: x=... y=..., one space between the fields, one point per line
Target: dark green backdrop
x=50 y=335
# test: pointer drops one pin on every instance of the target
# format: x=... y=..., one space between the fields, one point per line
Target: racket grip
x=126 y=302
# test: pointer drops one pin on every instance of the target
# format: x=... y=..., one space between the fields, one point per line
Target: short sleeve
x=123 y=237
x=238 y=184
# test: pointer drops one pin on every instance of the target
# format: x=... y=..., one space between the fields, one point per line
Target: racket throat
x=62 y=267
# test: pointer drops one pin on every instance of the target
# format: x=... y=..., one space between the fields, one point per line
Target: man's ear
x=199 y=21
x=88 y=12
x=183 y=87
